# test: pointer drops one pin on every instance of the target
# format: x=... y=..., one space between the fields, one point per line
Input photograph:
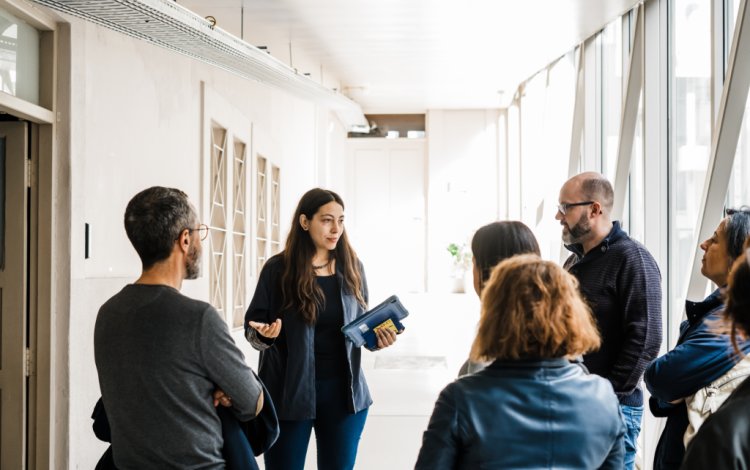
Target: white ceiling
x=401 y=56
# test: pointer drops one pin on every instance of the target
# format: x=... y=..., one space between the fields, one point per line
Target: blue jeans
x=632 y=416
x=337 y=432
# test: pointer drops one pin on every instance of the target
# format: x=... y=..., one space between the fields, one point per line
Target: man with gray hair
x=165 y=361
x=622 y=284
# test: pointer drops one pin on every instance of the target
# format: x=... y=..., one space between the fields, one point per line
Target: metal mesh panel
x=170 y=25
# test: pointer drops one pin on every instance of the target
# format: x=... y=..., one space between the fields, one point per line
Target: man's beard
x=578 y=232
x=193 y=263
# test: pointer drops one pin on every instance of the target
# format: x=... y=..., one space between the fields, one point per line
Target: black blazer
x=287 y=363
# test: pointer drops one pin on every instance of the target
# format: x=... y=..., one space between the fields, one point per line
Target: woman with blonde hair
x=535 y=405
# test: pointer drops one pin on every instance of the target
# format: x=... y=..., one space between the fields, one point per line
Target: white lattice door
x=13 y=285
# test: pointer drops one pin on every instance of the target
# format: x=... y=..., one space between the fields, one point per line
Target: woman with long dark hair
x=491 y=244
x=304 y=296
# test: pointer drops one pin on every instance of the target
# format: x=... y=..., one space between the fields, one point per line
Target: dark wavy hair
x=737 y=296
x=299 y=289
x=497 y=241
x=154 y=219
x=737 y=229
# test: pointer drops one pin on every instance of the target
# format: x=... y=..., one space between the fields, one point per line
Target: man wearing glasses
x=165 y=360
x=621 y=283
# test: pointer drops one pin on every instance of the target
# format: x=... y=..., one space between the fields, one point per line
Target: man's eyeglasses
x=202 y=231
x=743 y=209
x=563 y=208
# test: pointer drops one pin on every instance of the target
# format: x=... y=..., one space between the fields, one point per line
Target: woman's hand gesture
x=267 y=330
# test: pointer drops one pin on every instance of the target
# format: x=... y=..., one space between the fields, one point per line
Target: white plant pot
x=458 y=285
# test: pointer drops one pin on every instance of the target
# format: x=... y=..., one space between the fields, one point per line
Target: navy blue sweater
x=621 y=282
x=700 y=357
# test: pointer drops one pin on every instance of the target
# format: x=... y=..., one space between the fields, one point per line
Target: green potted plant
x=461 y=259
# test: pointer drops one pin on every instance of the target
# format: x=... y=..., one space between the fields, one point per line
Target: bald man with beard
x=622 y=284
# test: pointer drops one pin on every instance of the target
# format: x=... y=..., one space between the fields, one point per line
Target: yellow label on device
x=388 y=324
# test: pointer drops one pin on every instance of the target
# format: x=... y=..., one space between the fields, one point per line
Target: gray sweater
x=160 y=355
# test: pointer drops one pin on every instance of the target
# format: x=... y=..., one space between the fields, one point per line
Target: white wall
x=136 y=122
x=462 y=183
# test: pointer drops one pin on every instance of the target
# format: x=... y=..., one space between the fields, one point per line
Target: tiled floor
x=406 y=378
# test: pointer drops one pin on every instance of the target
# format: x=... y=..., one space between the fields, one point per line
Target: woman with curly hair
x=534 y=405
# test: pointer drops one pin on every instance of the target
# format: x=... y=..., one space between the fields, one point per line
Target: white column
x=629 y=116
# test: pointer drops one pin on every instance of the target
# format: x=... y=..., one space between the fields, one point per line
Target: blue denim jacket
x=287 y=364
x=546 y=413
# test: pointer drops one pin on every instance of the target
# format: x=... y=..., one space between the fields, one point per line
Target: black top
x=330 y=353
x=621 y=283
x=287 y=363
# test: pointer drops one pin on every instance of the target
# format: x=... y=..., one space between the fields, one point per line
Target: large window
x=614 y=58
x=690 y=139
x=738 y=193
x=19 y=58
x=633 y=218
x=611 y=63
x=635 y=210
x=546 y=129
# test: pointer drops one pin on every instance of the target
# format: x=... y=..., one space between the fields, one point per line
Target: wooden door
x=13 y=288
